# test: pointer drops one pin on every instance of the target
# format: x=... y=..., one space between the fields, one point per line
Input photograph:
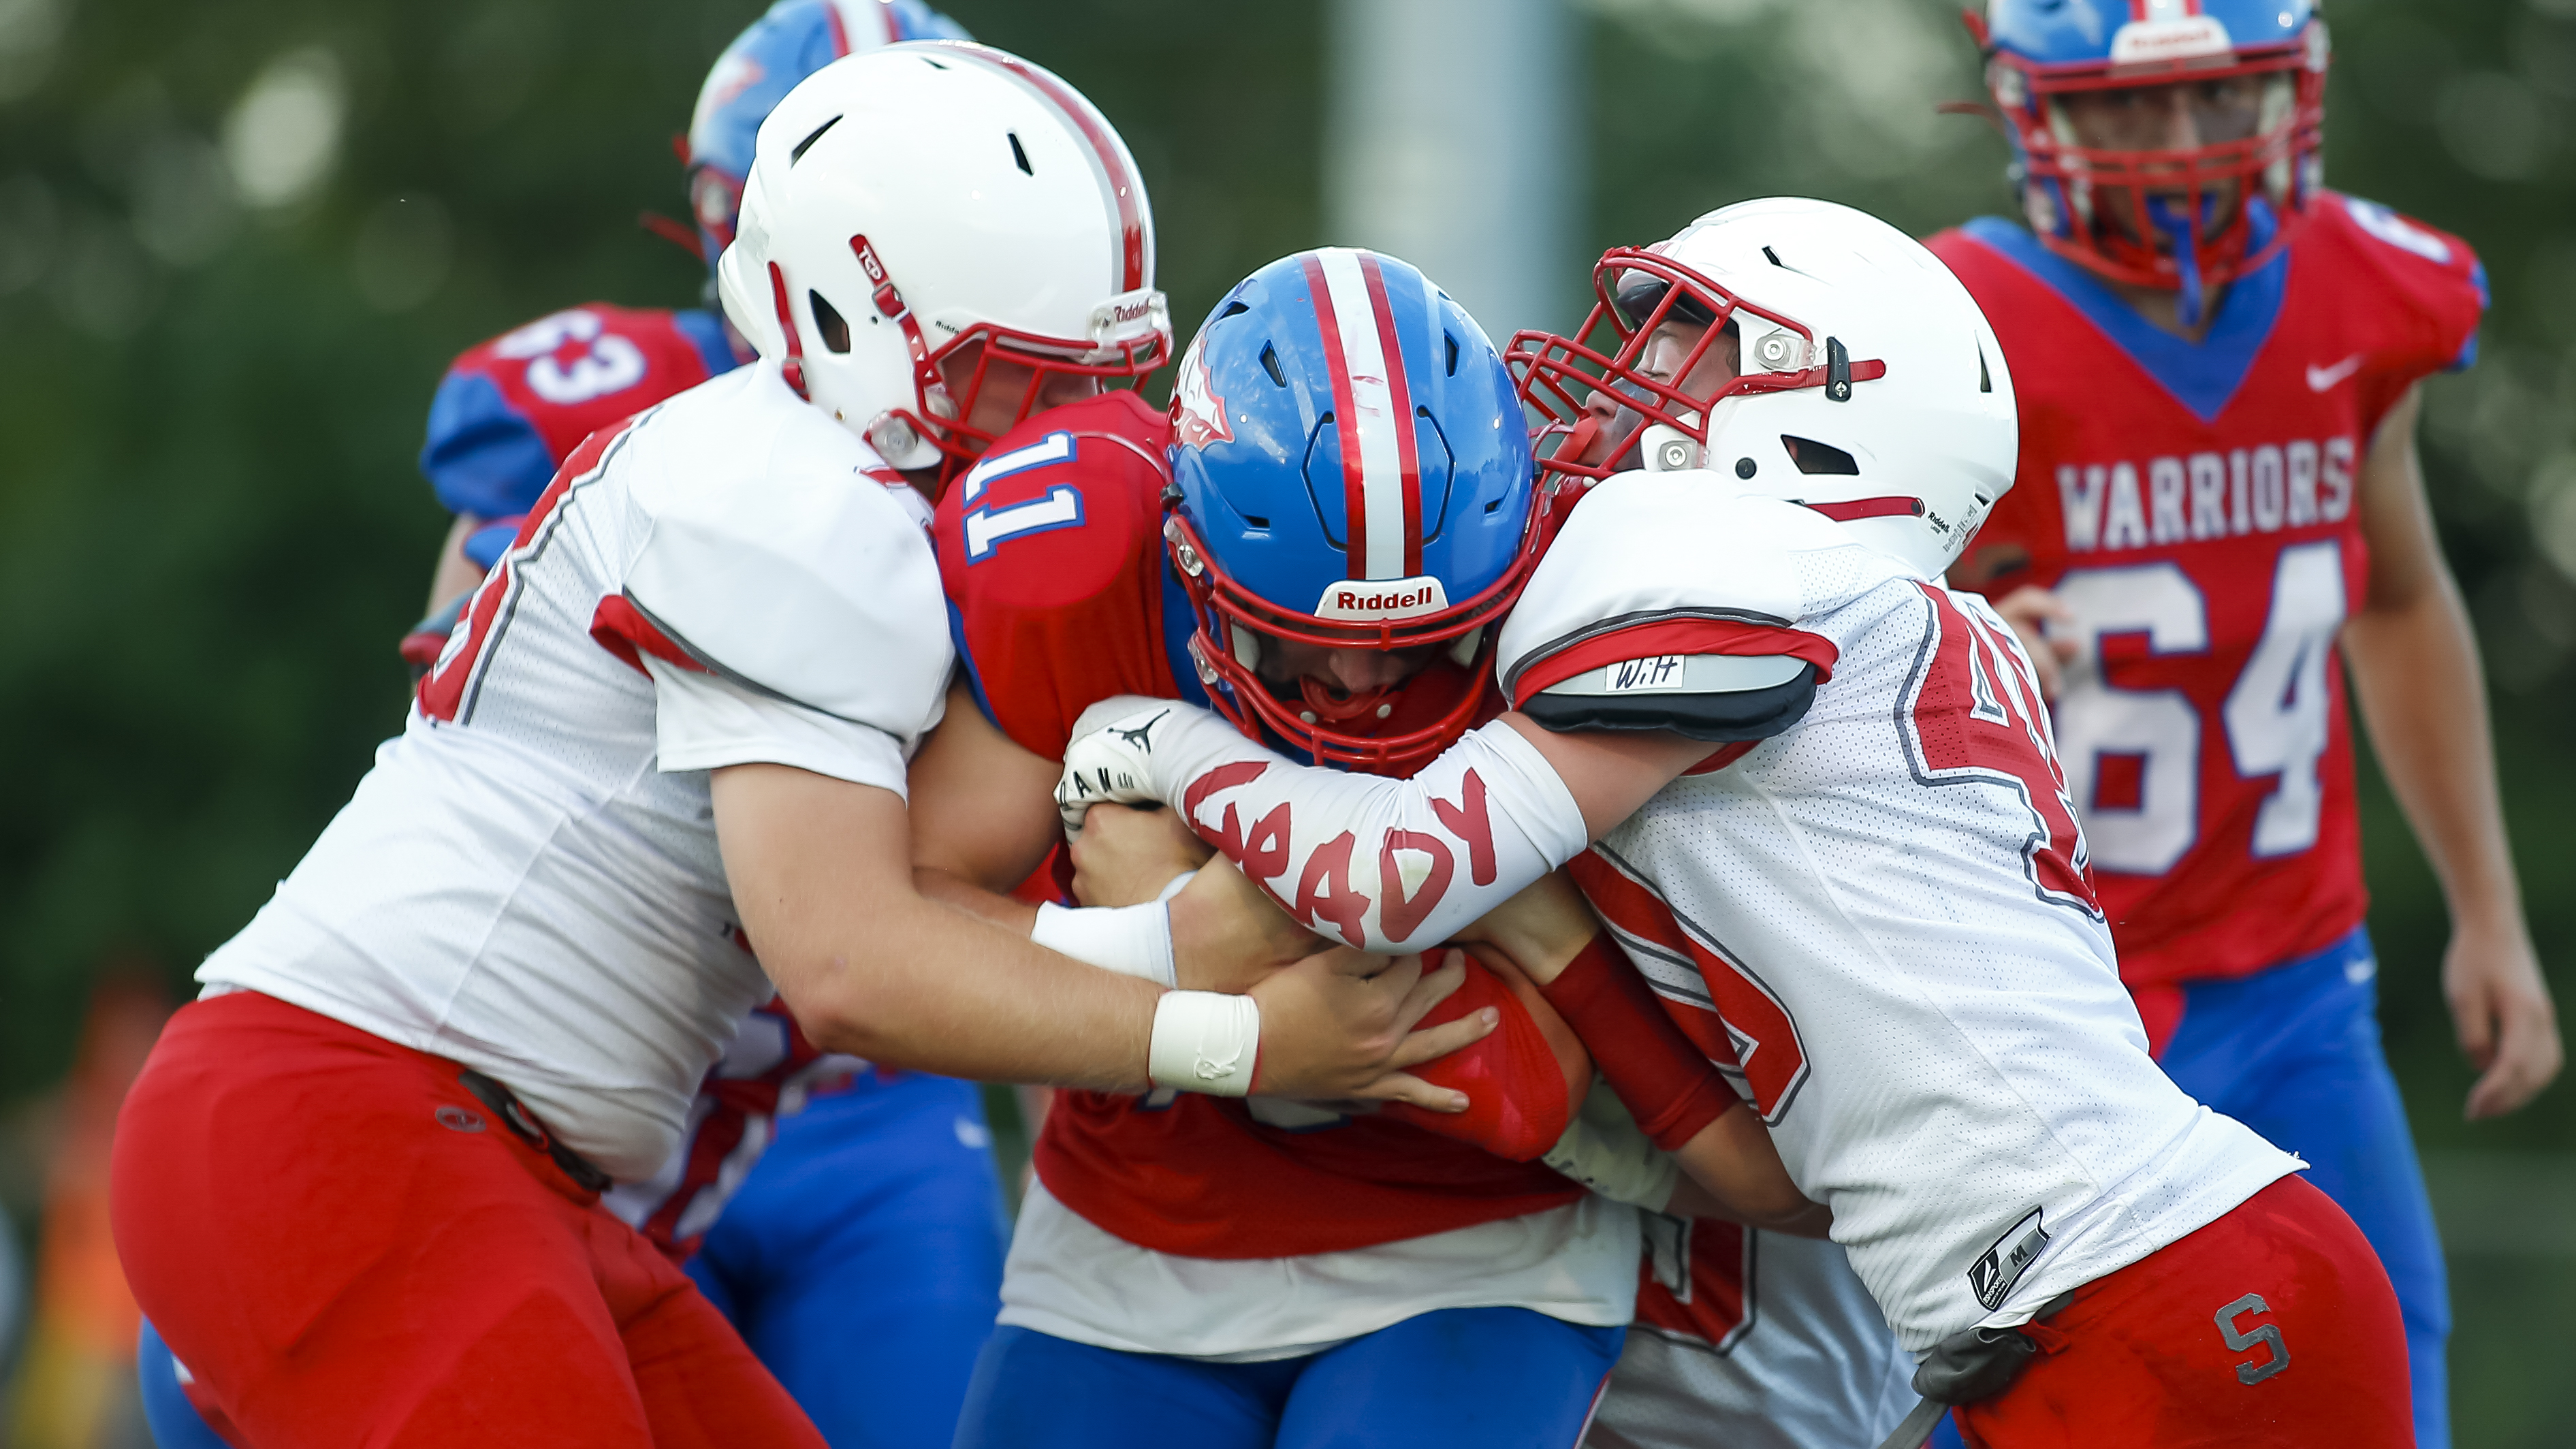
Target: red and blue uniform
x=510 y=410
x=1059 y=596
x=2197 y=507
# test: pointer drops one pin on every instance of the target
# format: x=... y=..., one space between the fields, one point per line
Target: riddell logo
x=1133 y=311
x=1383 y=599
x=2170 y=36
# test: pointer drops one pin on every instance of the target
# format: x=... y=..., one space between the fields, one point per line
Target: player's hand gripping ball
x=1110 y=758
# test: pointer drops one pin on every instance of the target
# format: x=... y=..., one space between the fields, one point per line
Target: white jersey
x=1878 y=921
x=1073 y=1280
x=527 y=882
x=1751 y=1341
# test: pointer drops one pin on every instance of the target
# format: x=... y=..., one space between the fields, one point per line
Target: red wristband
x=1667 y=1084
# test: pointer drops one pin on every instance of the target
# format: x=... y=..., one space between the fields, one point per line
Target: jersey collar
x=2203 y=376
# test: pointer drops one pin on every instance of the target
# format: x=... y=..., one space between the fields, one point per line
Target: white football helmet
x=1868 y=385
x=910 y=202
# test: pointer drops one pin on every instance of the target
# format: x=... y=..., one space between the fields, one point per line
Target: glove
x=1110 y=758
x=1604 y=1150
x=426 y=640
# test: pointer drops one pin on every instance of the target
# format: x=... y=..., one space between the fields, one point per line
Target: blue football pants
x=862 y=1261
x=1490 y=1378
x=2293 y=1052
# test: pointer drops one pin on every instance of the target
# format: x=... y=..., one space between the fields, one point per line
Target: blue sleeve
x=920 y=22
x=2468 y=357
x=706 y=332
x=483 y=456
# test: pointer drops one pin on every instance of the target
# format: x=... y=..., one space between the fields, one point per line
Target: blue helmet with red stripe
x=1351 y=471
x=2162 y=215
x=794 y=39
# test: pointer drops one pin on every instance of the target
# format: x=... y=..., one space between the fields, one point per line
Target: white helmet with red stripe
x=919 y=214
x=1865 y=383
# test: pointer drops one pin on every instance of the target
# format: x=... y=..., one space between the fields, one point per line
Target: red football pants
x=2274 y=1325
x=345 y=1249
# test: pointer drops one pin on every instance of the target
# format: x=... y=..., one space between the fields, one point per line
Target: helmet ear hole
x=829 y=322
x=1814 y=457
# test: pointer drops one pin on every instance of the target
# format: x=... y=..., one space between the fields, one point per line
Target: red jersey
x=1051 y=553
x=510 y=410
x=2195 y=505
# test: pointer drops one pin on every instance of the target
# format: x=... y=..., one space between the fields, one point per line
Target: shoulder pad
x=775 y=556
x=1668 y=584
x=2429 y=276
x=1050 y=554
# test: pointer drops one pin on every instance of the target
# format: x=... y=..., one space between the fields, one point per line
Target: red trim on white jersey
x=1108 y=159
x=622 y=630
x=1373 y=413
x=1684 y=635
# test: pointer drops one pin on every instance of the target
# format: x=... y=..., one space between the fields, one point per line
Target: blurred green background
x=239 y=242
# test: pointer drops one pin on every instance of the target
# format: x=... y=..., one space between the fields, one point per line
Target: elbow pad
x=1721 y=698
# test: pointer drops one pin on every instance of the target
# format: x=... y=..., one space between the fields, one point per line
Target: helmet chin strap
x=2182 y=229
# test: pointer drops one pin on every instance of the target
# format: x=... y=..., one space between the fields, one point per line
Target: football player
x=917 y=1233
x=357 y=1183
x=2221 y=513
x=1830 y=820
x=1351 y=510
x=881 y=1192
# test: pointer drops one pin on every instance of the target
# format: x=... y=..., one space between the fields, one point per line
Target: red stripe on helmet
x=840 y=32
x=1122 y=184
x=1400 y=398
x=1346 y=419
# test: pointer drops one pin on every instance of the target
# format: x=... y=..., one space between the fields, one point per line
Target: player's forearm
x=926 y=987
x=1008 y=912
x=2422 y=694
x=1385 y=865
x=454 y=573
x=1733 y=1163
x=822 y=877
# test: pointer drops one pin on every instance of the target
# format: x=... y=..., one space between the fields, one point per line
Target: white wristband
x=1205 y=1041
x=1130 y=940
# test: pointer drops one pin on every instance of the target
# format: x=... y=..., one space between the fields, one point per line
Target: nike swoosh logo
x=2321 y=379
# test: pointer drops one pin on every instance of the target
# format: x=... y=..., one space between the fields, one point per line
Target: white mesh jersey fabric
x=1885 y=907
x=517 y=886
x=1755 y=1341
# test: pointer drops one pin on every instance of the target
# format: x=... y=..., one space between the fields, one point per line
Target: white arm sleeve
x=703 y=721
x=1384 y=865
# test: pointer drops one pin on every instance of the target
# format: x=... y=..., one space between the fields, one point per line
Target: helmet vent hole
x=829 y=322
x=1256 y=520
x=1021 y=155
x=1814 y=457
x=810 y=138
x=1775 y=259
x=1453 y=356
x=1496 y=503
x=1233 y=309
x=1985 y=379
x=1270 y=364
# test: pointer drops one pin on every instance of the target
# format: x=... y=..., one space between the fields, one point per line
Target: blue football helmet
x=2199 y=214
x=792 y=41
x=1350 y=469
